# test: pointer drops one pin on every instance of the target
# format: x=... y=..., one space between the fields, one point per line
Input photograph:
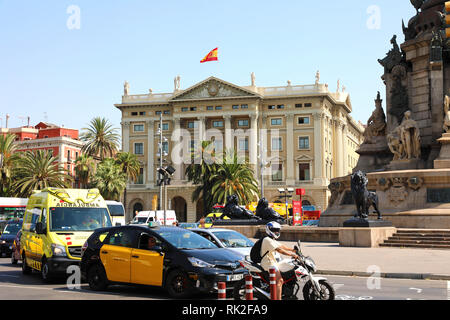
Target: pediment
x=304 y=157
x=213 y=88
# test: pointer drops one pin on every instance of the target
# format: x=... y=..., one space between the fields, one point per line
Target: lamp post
x=287 y=192
x=167 y=173
x=262 y=164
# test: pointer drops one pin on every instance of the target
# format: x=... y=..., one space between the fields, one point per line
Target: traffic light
x=447 y=19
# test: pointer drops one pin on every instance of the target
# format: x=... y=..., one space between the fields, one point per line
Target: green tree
x=101 y=139
x=84 y=169
x=200 y=171
x=130 y=166
x=37 y=171
x=110 y=179
x=234 y=176
x=8 y=158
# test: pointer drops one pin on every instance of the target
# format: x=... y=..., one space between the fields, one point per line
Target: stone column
x=176 y=139
x=319 y=166
x=253 y=143
x=229 y=143
x=151 y=153
x=125 y=136
x=200 y=131
x=338 y=126
x=290 y=171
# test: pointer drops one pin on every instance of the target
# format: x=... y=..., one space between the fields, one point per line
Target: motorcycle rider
x=271 y=250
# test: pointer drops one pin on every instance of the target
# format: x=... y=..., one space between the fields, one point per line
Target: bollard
x=273 y=283
x=248 y=287
x=222 y=291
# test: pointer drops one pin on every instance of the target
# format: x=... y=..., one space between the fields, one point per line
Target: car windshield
x=12 y=228
x=233 y=239
x=185 y=239
x=78 y=219
x=116 y=210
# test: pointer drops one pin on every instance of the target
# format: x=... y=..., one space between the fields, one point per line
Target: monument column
x=150 y=153
x=290 y=173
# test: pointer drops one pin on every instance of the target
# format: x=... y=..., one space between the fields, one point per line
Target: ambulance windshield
x=78 y=219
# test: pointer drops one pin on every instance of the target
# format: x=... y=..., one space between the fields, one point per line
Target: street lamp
x=167 y=173
x=287 y=194
x=262 y=164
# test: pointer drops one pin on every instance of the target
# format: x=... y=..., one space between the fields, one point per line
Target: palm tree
x=39 y=170
x=130 y=166
x=234 y=176
x=84 y=169
x=110 y=179
x=8 y=157
x=101 y=139
x=200 y=171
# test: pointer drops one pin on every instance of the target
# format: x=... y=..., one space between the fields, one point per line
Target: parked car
x=226 y=238
x=176 y=259
x=15 y=255
x=144 y=217
x=12 y=227
x=188 y=225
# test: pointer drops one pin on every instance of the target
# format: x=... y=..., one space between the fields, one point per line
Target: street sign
x=300 y=192
x=297 y=213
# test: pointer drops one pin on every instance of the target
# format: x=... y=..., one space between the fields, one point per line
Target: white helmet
x=273 y=229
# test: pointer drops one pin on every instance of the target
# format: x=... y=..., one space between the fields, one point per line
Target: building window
x=193 y=109
x=165 y=147
x=134 y=113
x=184 y=109
x=192 y=125
x=236 y=107
x=139 y=148
x=166 y=111
x=243 y=123
x=243 y=144
x=68 y=155
x=217 y=124
x=271 y=107
x=280 y=106
x=76 y=155
x=209 y=108
x=277 y=172
x=299 y=105
x=142 y=113
x=276 y=122
x=218 y=145
x=244 y=106
x=303 y=143
x=304 y=172
x=218 y=107
x=158 y=113
x=140 y=179
x=303 y=120
x=308 y=105
x=138 y=128
x=277 y=144
x=165 y=126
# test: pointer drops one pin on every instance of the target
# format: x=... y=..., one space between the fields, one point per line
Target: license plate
x=235 y=277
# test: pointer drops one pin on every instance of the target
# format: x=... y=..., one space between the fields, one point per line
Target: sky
x=65 y=62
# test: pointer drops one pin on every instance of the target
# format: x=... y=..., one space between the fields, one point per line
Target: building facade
x=304 y=135
x=62 y=142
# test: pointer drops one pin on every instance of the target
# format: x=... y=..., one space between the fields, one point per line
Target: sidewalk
x=332 y=259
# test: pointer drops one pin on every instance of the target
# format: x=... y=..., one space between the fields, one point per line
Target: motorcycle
x=314 y=288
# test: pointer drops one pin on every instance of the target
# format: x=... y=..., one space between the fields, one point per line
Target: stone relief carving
x=446 y=126
x=213 y=89
x=376 y=125
x=404 y=141
x=393 y=57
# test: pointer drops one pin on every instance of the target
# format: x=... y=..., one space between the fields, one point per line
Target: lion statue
x=265 y=213
x=364 y=199
x=232 y=209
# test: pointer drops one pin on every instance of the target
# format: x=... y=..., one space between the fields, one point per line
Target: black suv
x=176 y=259
x=12 y=227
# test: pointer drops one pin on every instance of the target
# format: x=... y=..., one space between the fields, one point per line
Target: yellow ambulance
x=56 y=224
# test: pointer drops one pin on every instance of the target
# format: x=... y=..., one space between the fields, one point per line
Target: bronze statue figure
x=364 y=199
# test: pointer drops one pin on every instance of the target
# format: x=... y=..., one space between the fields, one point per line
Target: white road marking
x=417 y=289
x=27 y=287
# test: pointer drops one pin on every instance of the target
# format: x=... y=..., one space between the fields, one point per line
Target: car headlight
x=58 y=250
x=3 y=241
x=200 y=263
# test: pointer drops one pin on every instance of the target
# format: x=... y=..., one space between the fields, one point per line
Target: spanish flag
x=212 y=56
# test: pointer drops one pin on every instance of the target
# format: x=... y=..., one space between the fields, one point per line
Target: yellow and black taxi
x=176 y=259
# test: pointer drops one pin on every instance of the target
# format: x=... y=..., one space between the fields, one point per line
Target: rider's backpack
x=255 y=253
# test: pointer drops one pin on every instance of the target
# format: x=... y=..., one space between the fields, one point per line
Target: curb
x=412 y=276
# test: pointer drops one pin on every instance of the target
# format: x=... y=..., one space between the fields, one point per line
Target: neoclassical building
x=303 y=133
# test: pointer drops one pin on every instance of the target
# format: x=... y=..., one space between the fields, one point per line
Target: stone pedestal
x=364 y=237
x=411 y=164
x=362 y=223
x=443 y=161
x=373 y=156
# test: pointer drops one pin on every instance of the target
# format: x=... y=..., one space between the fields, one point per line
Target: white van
x=145 y=217
x=117 y=212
